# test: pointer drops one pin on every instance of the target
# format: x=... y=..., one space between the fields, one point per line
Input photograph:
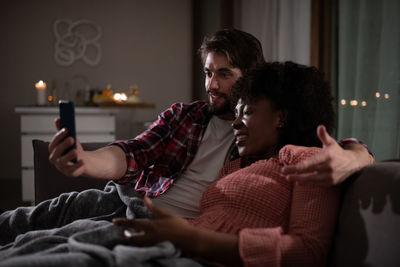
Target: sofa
x=368 y=228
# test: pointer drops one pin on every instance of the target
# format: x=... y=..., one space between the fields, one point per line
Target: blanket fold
x=75 y=229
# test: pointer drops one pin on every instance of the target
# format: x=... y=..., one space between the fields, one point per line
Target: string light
x=353 y=102
x=363 y=103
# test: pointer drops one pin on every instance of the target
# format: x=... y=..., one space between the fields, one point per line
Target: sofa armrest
x=50 y=183
x=368 y=230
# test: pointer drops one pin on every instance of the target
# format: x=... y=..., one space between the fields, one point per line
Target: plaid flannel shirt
x=353 y=140
x=159 y=155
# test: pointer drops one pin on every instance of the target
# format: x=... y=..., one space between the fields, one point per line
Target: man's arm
x=105 y=163
x=332 y=165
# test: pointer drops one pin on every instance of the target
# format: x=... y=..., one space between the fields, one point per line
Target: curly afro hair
x=299 y=90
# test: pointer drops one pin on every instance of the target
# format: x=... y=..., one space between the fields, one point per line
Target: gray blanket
x=75 y=229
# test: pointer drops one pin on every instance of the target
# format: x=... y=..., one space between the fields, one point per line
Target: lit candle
x=41 y=92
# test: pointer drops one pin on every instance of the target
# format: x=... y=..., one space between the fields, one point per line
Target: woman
x=252 y=215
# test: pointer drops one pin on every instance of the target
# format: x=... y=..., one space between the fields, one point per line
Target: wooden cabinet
x=92 y=125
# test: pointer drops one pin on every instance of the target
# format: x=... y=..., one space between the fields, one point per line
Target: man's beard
x=224 y=109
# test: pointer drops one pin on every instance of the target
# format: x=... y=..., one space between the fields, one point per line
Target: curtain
x=369 y=74
x=282 y=26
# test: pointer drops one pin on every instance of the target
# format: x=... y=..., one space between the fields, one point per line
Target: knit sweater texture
x=278 y=223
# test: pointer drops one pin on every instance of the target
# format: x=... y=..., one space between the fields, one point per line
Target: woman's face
x=256 y=128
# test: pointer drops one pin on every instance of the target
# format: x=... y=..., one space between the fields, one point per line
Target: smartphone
x=67 y=120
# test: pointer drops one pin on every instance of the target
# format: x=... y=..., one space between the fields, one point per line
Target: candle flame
x=40 y=85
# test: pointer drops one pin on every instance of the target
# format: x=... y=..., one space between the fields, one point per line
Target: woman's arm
x=307 y=238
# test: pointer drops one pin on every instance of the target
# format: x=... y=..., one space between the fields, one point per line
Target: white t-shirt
x=183 y=197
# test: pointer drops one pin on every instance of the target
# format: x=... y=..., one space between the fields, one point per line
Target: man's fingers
x=57 y=138
x=304 y=177
x=63 y=162
x=321 y=169
x=324 y=136
x=56 y=153
x=68 y=157
x=73 y=169
x=57 y=122
x=315 y=178
x=312 y=164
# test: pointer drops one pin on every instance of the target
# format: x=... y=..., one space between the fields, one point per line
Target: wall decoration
x=77 y=40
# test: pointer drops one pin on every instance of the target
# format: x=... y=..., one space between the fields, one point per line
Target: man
x=189 y=144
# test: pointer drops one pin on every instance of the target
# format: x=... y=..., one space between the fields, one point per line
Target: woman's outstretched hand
x=332 y=165
x=164 y=226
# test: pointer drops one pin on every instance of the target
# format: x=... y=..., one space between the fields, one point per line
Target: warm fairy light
x=50 y=98
x=363 y=103
x=343 y=102
x=378 y=95
x=353 y=102
x=120 y=97
x=387 y=96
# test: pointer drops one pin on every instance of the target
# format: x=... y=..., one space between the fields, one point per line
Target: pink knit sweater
x=278 y=223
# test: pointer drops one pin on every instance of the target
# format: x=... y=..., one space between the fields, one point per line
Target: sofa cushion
x=50 y=183
x=368 y=232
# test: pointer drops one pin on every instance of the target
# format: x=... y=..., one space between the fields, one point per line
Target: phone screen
x=67 y=120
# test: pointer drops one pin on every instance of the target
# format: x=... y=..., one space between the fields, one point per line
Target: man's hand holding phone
x=67 y=121
x=108 y=162
x=66 y=153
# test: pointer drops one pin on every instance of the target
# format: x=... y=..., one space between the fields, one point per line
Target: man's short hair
x=242 y=49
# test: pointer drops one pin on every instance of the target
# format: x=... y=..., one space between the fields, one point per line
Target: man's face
x=220 y=77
